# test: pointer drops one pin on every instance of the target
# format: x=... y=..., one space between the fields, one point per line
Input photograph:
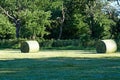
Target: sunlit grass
x=16 y=54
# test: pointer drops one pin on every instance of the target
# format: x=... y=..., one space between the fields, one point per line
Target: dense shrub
x=63 y=44
x=75 y=43
x=45 y=43
x=118 y=44
x=11 y=43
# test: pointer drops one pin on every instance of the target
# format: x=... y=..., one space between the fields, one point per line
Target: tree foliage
x=35 y=23
x=7 y=30
x=81 y=19
x=99 y=23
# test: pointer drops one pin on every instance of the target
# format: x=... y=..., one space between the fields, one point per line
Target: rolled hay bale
x=29 y=47
x=106 y=46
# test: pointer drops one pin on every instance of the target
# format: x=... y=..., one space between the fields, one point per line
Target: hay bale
x=29 y=46
x=106 y=46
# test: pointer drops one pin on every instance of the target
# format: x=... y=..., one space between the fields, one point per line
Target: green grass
x=60 y=68
x=59 y=65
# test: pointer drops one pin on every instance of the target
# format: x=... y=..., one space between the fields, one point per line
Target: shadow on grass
x=60 y=69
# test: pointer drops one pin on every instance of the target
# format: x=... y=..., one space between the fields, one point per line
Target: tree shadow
x=60 y=69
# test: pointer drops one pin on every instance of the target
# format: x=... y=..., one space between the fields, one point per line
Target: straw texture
x=29 y=46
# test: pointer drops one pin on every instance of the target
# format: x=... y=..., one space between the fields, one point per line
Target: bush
x=68 y=44
x=64 y=43
x=11 y=43
x=118 y=44
x=46 y=43
x=57 y=44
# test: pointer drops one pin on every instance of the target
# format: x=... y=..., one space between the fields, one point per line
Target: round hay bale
x=29 y=46
x=106 y=46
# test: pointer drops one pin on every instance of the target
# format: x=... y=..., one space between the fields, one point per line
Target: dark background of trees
x=58 y=19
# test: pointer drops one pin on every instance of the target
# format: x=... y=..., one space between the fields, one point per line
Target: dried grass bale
x=29 y=46
x=106 y=46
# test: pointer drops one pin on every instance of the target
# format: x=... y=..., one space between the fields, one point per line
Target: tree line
x=57 y=19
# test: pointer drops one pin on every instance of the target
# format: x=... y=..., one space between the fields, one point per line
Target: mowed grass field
x=59 y=65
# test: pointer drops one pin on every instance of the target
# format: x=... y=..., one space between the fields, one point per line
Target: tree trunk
x=61 y=21
x=92 y=25
x=60 y=34
x=17 y=25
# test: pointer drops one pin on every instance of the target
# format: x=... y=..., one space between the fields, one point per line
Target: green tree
x=99 y=23
x=7 y=30
x=61 y=19
x=82 y=28
x=57 y=19
x=35 y=23
x=10 y=9
x=13 y=9
x=74 y=21
x=113 y=14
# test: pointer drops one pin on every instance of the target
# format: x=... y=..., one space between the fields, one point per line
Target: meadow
x=59 y=65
